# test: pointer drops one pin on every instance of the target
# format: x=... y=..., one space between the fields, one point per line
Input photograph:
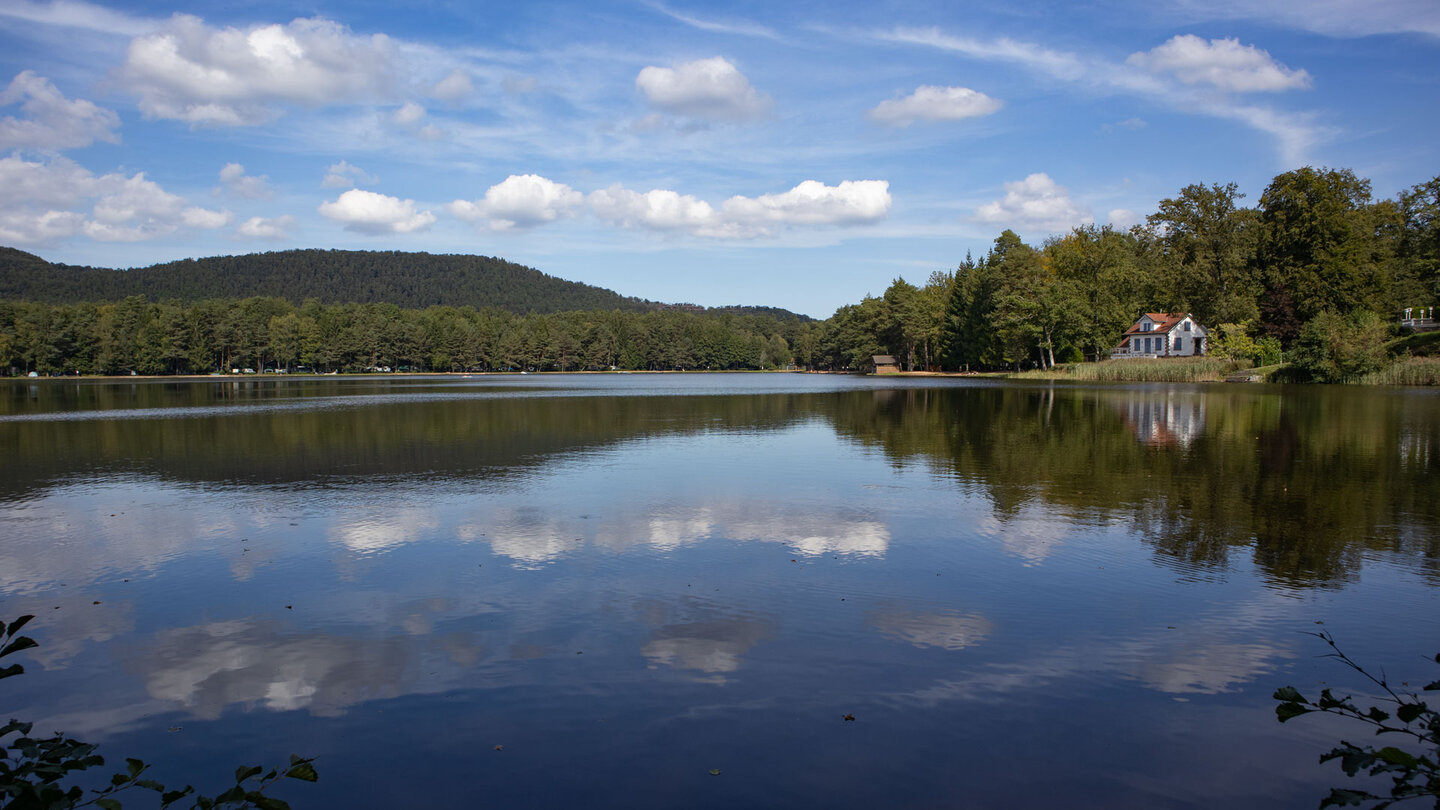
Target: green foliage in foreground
x=1413 y=775
x=36 y=773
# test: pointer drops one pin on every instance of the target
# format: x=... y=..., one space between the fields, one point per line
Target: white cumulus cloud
x=371 y=213
x=266 y=228
x=232 y=77
x=710 y=89
x=346 y=175
x=252 y=187
x=134 y=209
x=931 y=103
x=520 y=201
x=52 y=121
x=46 y=201
x=1035 y=203
x=657 y=209
x=58 y=183
x=455 y=87
x=1123 y=218
x=38 y=227
x=204 y=218
x=810 y=203
x=1223 y=63
x=814 y=203
x=409 y=113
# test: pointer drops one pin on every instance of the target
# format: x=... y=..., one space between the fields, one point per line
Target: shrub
x=34 y=772
x=1332 y=348
x=1413 y=776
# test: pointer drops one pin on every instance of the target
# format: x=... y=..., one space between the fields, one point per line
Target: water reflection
x=207 y=668
x=933 y=629
x=1302 y=483
x=692 y=582
x=1163 y=418
x=714 y=647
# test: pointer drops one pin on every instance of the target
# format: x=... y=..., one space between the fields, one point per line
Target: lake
x=597 y=590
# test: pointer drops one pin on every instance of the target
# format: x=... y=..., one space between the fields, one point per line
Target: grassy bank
x=1403 y=371
x=1177 y=369
x=1406 y=371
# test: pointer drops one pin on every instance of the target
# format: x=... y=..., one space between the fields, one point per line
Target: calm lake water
x=1025 y=595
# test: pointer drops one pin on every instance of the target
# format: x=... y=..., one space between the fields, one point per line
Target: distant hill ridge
x=407 y=280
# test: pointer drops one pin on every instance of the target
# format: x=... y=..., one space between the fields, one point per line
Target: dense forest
x=258 y=334
x=1317 y=266
x=1318 y=270
x=407 y=280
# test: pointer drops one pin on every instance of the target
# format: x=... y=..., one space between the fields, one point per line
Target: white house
x=1162 y=334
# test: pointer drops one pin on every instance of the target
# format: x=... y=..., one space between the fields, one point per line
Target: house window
x=1177 y=343
x=1187 y=326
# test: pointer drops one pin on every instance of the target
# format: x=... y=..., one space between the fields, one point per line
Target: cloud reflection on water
x=255 y=663
x=713 y=647
x=1206 y=659
x=947 y=632
x=532 y=536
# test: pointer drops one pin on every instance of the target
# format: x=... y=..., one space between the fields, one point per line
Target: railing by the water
x=1420 y=319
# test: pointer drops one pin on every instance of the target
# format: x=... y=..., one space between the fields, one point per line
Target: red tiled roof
x=1164 y=322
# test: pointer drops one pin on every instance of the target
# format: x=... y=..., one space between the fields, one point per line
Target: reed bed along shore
x=1172 y=369
x=1406 y=371
x=1403 y=371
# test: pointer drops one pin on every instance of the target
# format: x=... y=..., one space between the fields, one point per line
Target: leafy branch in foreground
x=33 y=771
x=1414 y=776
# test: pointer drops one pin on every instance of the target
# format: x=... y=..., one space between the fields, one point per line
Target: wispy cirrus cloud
x=1169 y=74
x=78 y=14
x=1334 y=18
x=739 y=28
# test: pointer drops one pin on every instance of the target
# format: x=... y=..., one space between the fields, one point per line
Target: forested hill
x=408 y=280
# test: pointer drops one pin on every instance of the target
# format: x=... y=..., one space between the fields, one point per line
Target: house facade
x=1163 y=334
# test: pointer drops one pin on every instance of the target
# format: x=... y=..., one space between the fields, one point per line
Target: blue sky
x=799 y=155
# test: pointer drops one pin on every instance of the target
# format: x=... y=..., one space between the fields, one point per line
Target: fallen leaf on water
x=849 y=717
x=714 y=771
x=499 y=748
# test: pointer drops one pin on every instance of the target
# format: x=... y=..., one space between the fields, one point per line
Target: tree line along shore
x=1306 y=285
